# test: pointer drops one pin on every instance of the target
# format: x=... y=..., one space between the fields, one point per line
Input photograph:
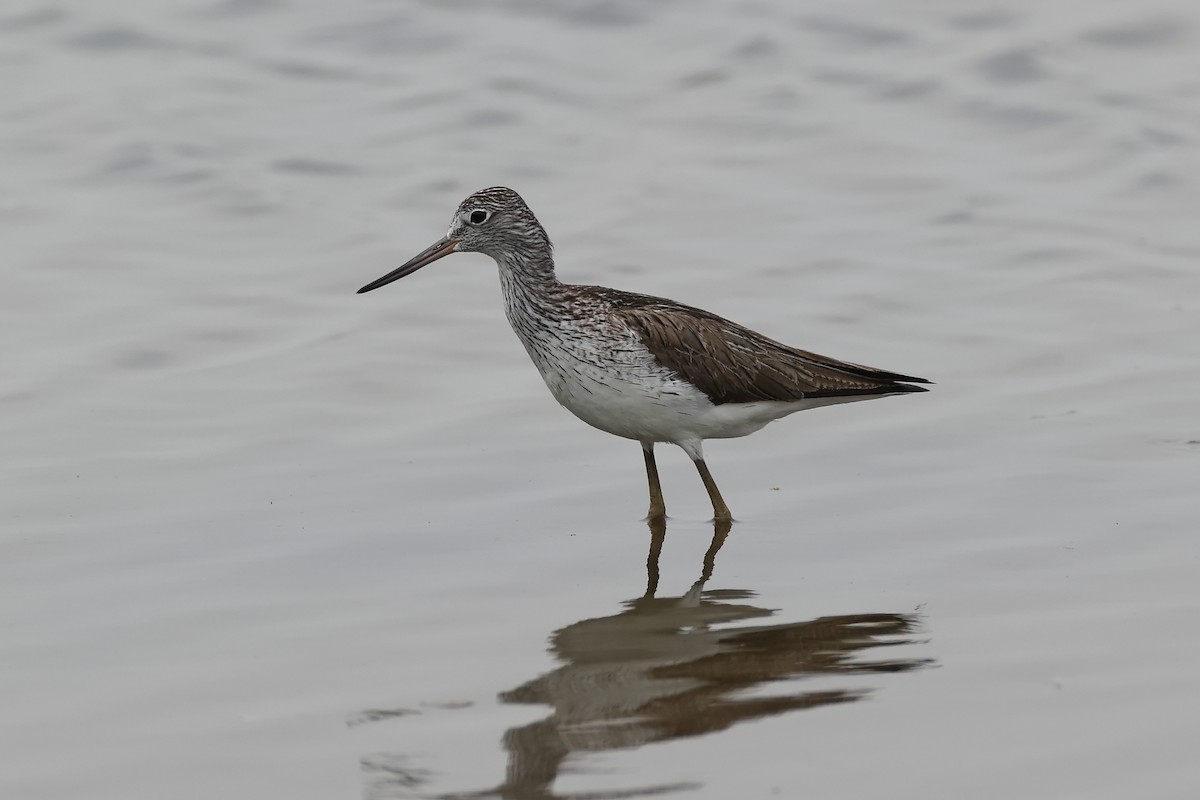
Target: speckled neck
x=527 y=278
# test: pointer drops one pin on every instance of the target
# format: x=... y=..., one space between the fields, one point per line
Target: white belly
x=622 y=390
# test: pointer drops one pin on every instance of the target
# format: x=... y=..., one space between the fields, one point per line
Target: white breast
x=614 y=384
x=601 y=372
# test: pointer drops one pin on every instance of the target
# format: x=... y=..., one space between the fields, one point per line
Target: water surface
x=260 y=536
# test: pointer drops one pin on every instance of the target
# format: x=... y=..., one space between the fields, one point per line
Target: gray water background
x=262 y=537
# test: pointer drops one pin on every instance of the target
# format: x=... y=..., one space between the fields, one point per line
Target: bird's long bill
x=443 y=247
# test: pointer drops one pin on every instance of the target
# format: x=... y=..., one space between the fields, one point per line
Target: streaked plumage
x=642 y=367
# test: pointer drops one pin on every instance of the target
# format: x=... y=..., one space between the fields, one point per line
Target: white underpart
x=611 y=381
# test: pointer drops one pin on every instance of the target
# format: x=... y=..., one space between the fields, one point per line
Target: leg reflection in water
x=670 y=667
x=665 y=668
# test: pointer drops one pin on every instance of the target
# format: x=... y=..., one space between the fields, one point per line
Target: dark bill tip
x=441 y=248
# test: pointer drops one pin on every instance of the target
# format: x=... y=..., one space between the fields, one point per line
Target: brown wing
x=733 y=364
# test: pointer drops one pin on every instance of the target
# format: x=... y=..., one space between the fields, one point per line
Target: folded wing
x=733 y=364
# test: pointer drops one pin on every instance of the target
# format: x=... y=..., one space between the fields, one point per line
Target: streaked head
x=492 y=221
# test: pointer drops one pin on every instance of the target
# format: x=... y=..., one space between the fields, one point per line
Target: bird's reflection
x=670 y=667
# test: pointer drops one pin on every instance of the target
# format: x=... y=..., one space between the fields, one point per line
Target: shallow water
x=264 y=537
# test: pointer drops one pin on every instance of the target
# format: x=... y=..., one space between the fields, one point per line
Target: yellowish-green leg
x=658 y=509
x=720 y=510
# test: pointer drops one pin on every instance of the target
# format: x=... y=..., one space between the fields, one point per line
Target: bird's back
x=733 y=364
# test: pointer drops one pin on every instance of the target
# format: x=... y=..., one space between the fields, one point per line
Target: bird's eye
x=478 y=216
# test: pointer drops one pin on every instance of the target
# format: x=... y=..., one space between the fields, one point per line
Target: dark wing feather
x=733 y=364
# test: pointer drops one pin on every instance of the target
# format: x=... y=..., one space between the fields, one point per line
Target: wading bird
x=640 y=367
